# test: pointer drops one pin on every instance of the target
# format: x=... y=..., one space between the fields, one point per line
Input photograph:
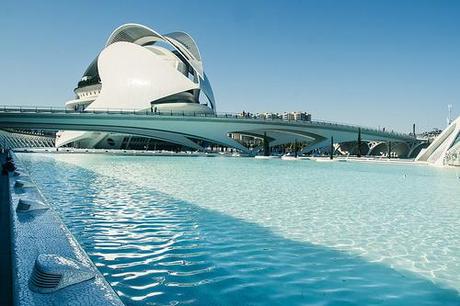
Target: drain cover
x=25 y=206
x=22 y=184
x=52 y=272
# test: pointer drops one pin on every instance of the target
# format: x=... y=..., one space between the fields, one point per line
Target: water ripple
x=231 y=247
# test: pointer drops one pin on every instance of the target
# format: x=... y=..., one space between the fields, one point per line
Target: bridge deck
x=184 y=115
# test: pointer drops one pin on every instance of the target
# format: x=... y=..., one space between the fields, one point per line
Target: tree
x=359 y=143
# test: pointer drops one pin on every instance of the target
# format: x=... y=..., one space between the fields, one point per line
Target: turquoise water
x=236 y=231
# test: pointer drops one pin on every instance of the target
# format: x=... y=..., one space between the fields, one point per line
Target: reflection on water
x=242 y=231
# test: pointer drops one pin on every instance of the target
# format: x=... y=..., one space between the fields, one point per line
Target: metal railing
x=149 y=112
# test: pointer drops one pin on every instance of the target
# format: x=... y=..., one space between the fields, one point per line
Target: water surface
x=236 y=231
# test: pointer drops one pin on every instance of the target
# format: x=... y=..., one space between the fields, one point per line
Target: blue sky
x=375 y=63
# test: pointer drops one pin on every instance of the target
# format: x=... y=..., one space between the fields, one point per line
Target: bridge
x=188 y=129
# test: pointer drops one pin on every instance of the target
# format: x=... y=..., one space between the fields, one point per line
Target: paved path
x=5 y=241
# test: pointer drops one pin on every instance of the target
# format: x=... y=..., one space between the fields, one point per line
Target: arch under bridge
x=379 y=148
x=190 y=130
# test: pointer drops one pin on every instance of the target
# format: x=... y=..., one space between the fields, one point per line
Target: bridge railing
x=150 y=112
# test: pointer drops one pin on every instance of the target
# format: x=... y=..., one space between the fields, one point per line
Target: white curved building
x=140 y=70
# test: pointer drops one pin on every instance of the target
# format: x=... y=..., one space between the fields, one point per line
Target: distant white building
x=297 y=116
x=269 y=116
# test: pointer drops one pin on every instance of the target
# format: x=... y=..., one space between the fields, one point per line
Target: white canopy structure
x=445 y=149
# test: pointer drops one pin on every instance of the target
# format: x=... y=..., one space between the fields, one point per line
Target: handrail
x=148 y=112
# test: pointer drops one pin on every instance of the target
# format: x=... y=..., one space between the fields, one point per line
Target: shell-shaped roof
x=142 y=35
x=186 y=40
x=134 y=33
x=182 y=43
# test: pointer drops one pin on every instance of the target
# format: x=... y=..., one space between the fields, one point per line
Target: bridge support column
x=266 y=145
x=389 y=149
x=331 y=155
